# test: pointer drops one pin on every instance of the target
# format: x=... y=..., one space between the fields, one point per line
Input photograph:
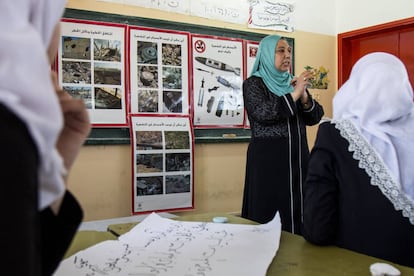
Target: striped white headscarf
x=25 y=83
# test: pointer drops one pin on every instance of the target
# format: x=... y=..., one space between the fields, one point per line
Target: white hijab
x=25 y=83
x=378 y=100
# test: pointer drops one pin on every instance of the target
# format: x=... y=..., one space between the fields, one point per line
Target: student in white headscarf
x=359 y=192
x=42 y=130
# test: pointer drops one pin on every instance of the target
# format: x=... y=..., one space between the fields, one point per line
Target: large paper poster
x=162 y=154
x=159 y=71
x=217 y=81
x=91 y=66
x=158 y=246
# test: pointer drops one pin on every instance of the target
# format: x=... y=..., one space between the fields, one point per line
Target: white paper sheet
x=271 y=15
x=161 y=246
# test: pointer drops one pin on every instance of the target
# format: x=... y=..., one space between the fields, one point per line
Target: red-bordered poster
x=251 y=50
x=162 y=163
x=159 y=71
x=91 y=66
x=217 y=81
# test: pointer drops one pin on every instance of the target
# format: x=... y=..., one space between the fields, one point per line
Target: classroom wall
x=101 y=177
x=355 y=14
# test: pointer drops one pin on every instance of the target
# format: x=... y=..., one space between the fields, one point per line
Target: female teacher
x=279 y=108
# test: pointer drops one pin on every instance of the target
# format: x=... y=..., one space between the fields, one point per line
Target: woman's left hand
x=76 y=125
x=299 y=84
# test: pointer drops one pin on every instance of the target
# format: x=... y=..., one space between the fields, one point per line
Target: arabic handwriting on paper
x=159 y=246
x=272 y=15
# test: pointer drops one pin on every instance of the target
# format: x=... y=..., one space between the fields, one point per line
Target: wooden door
x=396 y=38
x=407 y=52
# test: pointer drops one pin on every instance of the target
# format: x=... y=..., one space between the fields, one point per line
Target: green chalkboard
x=114 y=136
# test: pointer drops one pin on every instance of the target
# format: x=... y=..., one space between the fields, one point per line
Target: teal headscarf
x=277 y=81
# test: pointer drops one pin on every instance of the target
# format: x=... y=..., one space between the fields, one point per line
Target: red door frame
x=345 y=43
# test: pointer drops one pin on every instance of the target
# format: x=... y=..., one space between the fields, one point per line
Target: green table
x=85 y=239
x=295 y=257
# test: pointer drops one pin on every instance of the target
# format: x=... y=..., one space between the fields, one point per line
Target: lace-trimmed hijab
x=26 y=87
x=374 y=111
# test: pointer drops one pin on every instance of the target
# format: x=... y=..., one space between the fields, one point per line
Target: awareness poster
x=91 y=67
x=251 y=50
x=159 y=73
x=217 y=81
x=162 y=161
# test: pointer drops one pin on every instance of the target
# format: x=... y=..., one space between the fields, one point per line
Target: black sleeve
x=321 y=191
x=313 y=114
x=58 y=232
x=263 y=106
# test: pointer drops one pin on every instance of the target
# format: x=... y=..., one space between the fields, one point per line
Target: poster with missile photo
x=91 y=66
x=159 y=82
x=217 y=82
x=162 y=163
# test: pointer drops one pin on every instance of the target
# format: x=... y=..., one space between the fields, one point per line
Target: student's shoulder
x=327 y=128
x=326 y=123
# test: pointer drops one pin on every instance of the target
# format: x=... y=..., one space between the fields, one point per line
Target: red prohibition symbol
x=199 y=46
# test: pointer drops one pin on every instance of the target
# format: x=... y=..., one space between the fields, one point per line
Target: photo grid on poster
x=217 y=82
x=162 y=163
x=91 y=66
x=159 y=75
